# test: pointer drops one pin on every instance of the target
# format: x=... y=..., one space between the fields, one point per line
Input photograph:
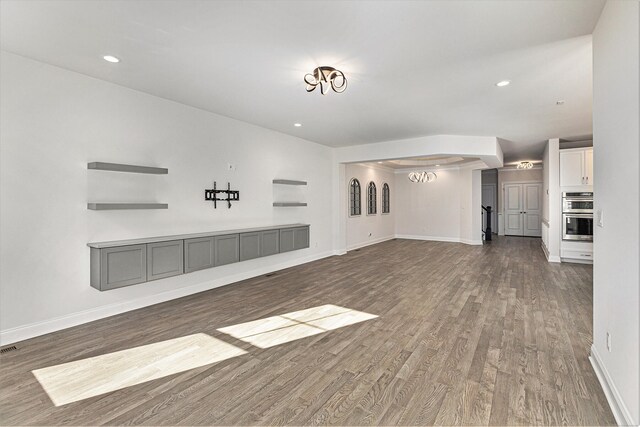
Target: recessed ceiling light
x=560 y=102
x=297 y=124
x=380 y=162
x=437 y=166
x=110 y=58
x=503 y=83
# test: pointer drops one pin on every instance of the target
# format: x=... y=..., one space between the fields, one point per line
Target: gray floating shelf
x=116 y=167
x=289 y=182
x=120 y=206
x=288 y=204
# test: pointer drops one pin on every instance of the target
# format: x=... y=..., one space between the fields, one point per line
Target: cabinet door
x=164 y=259
x=287 y=239
x=301 y=238
x=250 y=244
x=572 y=168
x=588 y=166
x=227 y=249
x=122 y=266
x=198 y=254
x=270 y=242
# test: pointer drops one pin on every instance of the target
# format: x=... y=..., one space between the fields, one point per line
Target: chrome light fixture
x=422 y=176
x=326 y=77
x=524 y=165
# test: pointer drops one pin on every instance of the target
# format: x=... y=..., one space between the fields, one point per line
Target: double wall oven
x=577 y=216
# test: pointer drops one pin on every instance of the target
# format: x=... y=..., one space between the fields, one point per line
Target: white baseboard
x=430 y=238
x=20 y=333
x=619 y=409
x=550 y=258
x=370 y=242
x=471 y=242
x=439 y=239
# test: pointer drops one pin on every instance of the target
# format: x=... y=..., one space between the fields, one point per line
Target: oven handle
x=578 y=199
x=568 y=216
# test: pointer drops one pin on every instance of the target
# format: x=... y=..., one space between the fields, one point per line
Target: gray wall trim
x=118 y=167
x=289 y=182
x=120 y=206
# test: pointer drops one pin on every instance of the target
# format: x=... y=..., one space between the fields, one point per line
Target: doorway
x=490 y=198
x=523 y=209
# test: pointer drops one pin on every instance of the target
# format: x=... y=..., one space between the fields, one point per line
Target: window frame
x=352 y=193
x=386 y=199
x=370 y=186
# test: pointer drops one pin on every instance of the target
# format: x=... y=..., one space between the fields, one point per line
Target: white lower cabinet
x=576 y=251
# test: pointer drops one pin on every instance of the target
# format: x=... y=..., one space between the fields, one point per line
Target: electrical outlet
x=609 y=342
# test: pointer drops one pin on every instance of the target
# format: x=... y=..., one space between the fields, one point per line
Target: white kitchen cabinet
x=581 y=252
x=588 y=166
x=576 y=167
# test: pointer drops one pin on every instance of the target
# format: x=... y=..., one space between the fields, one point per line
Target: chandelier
x=422 y=176
x=326 y=77
x=524 y=165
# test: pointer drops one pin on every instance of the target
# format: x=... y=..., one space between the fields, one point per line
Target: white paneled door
x=523 y=209
x=513 y=208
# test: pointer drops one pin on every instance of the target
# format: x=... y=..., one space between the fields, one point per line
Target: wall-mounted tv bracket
x=212 y=195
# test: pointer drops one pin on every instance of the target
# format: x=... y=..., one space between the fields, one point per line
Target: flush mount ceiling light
x=422 y=176
x=503 y=83
x=524 y=165
x=297 y=124
x=326 y=77
x=110 y=58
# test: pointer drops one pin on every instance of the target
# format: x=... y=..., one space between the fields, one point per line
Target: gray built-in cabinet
x=258 y=244
x=165 y=259
x=226 y=249
x=294 y=238
x=129 y=262
x=198 y=254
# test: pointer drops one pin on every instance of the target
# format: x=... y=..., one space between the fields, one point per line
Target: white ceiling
x=427 y=162
x=414 y=68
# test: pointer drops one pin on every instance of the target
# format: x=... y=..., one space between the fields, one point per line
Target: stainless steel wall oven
x=577 y=216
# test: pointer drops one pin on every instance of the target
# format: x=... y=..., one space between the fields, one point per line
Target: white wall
x=440 y=210
x=551 y=200
x=54 y=121
x=616 y=144
x=486 y=149
x=366 y=229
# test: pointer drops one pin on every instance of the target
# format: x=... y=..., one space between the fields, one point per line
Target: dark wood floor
x=465 y=335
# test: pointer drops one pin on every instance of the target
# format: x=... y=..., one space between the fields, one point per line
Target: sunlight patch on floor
x=275 y=330
x=81 y=379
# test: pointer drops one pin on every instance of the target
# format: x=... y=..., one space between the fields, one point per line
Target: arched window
x=386 y=199
x=372 y=199
x=354 y=197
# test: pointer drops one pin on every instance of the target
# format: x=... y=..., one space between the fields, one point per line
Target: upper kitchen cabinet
x=576 y=167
